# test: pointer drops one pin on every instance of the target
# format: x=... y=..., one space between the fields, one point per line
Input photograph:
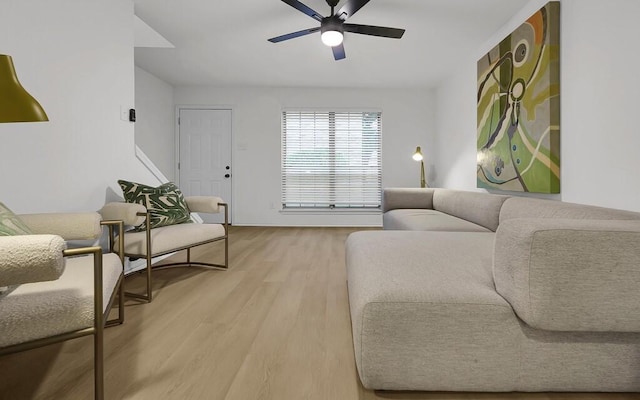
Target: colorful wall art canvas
x=519 y=108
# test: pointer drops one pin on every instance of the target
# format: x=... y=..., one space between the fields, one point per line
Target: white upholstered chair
x=50 y=293
x=155 y=242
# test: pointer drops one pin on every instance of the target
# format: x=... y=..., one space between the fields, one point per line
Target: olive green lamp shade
x=16 y=105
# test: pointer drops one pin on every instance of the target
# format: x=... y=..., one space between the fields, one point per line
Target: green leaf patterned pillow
x=165 y=203
x=10 y=224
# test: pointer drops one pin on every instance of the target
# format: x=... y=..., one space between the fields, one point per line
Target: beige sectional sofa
x=469 y=291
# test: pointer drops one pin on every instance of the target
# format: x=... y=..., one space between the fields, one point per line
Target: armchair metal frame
x=100 y=316
x=150 y=254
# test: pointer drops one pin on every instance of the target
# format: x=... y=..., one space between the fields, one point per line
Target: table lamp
x=16 y=105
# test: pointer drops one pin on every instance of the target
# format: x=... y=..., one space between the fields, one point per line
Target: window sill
x=341 y=211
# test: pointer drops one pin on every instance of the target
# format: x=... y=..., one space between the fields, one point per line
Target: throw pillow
x=166 y=204
x=10 y=224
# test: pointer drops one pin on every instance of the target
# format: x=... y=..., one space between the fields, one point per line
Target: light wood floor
x=275 y=326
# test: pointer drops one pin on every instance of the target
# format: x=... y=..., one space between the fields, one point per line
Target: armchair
x=154 y=242
x=53 y=294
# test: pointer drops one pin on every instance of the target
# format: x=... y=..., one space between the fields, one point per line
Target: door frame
x=180 y=107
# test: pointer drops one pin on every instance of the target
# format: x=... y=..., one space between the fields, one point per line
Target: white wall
x=154 y=127
x=599 y=100
x=76 y=58
x=407 y=117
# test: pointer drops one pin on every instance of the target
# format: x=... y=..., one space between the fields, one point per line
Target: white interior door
x=205 y=155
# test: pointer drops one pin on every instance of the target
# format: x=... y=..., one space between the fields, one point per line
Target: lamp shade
x=16 y=105
x=418 y=154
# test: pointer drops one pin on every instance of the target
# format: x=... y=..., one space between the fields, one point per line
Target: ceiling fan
x=332 y=28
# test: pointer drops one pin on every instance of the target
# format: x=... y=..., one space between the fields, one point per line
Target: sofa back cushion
x=427 y=220
x=477 y=207
x=523 y=207
x=570 y=274
x=407 y=198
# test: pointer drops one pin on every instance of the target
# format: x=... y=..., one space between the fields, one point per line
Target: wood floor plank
x=275 y=326
x=205 y=365
x=264 y=360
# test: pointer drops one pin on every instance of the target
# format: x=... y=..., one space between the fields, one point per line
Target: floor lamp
x=16 y=104
x=418 y=157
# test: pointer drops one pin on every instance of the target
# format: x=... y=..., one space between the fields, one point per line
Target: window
x=331 y=159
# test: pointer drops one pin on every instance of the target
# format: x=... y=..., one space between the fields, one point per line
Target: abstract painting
x=519 y=108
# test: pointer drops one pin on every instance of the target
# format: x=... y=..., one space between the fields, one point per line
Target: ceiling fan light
x=332 y=38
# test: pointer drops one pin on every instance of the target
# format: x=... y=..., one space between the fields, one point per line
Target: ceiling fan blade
x=301 y=7
x=338 y=52
x=382 y=31
x=293 y=35
x=351 y=8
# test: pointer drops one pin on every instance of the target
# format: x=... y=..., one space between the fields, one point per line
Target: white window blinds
x=331 y=159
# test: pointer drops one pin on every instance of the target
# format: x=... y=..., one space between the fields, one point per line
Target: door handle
x=227 y=175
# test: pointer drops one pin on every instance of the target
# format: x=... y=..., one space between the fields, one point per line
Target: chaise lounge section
x=469 y=291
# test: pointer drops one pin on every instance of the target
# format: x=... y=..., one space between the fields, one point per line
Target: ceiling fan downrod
x=333 y=4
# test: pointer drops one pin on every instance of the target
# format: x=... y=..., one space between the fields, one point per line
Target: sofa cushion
x=166 y=204
x=393 y=198
x=477 y=207
x=427 y=220
x=523 y=207
x=425 y=314
x=570 y=275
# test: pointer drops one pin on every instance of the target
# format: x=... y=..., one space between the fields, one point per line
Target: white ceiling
x=224 y=43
